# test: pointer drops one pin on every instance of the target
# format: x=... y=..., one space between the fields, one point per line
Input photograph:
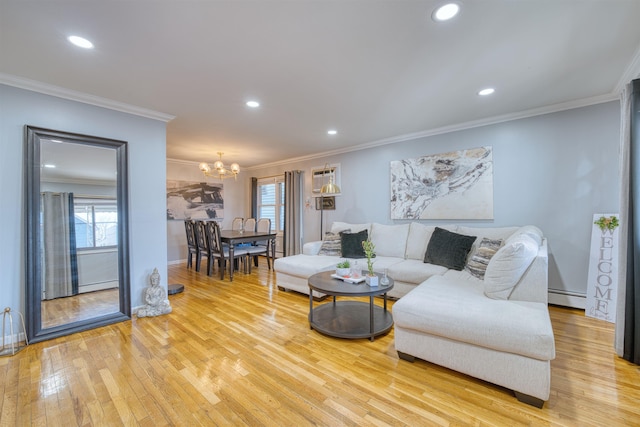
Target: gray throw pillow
x=331 y=244
x=448 y=249
x=478 y=262
x=351 y=244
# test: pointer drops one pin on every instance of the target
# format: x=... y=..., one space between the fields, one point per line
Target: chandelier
x=219 y=169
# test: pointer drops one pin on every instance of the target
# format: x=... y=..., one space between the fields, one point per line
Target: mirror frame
x=33 y=272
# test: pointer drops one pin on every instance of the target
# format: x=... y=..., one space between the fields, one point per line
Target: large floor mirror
x=77 y=268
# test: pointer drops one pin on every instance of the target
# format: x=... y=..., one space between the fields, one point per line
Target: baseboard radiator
x=567 y=298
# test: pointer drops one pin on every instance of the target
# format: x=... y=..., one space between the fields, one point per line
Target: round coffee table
x=348 y=319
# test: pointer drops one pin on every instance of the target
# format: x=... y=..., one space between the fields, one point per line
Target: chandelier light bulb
x=219 y=168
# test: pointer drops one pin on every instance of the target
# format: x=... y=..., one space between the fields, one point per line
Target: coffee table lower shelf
x=350 y=319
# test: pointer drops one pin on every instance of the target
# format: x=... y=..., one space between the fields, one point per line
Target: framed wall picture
x=329 y=203
x=194 y=200
x=454 y=185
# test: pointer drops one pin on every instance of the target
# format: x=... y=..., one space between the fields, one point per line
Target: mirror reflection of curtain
x=59 y=258
x=292 y=212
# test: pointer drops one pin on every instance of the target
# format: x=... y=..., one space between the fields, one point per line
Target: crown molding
x=183 y=162
x=453 y=128
x=632 y=72
x=85 y=98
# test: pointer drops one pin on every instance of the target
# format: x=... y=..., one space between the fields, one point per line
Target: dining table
x=234 y=237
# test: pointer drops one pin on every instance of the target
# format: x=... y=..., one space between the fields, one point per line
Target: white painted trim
x=453 y=128
x=567 y=299
x=177 y=261
x=14 y=339
x=86 y=98
x=98 y=287
x=632 y=72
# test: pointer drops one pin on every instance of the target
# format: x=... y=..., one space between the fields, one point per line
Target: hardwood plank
x=242 y=353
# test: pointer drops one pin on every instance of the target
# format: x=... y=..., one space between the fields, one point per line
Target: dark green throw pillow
x=351 y=244
x=448 y=249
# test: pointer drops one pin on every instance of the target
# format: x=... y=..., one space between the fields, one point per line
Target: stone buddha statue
x=155 y=299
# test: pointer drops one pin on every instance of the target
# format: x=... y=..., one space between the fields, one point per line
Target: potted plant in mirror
x=369 y=252
x=343 y=268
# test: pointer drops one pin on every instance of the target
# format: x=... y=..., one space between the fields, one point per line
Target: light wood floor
x=242 y=353
x=65 y=310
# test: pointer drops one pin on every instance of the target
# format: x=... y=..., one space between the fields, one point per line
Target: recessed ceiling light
x=332 y=132
x=253 y=104
x=80 y=42
x=49 y=166
x=487 y=91
x=445 y=12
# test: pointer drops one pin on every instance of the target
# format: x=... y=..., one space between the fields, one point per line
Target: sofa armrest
x=312 y=248
x=534 y=284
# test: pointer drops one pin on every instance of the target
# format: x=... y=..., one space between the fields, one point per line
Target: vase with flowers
x=369 y=252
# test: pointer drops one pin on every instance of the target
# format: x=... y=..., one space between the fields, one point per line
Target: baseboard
x=567 y=299
x=178 y=261
x=14 y=339
x=98 y=287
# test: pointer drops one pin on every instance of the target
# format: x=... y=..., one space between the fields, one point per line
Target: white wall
x=554 y=171
x=236 y=201
x=147 y=172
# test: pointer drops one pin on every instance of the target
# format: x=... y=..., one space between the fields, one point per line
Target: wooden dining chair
x=192 y=248
x=261 y=247
x=221 y=253
x=201 y=242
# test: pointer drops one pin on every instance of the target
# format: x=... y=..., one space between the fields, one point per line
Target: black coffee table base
x=351 y=319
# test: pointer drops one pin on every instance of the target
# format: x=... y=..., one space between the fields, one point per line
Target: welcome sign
x=603 y=268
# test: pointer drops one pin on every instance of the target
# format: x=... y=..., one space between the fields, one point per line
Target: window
x=96 y=222
x=271 y=202
x=323 y=175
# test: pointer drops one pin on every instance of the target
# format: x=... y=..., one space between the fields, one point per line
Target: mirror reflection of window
x=96 y=223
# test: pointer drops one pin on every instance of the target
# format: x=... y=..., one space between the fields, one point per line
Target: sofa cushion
x=413 y=271
x=305 y=265
x=389 y=240
x=351 y=244
x=448 y=249
x=435 y=307
x=508 y=265
x=493 y=233
x=479 y=260
x=338 y=226
x=331 y=245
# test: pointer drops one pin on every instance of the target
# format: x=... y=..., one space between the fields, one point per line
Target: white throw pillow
x=529 y=230
x=508 y=265
x=389 y=240
x=418 y=239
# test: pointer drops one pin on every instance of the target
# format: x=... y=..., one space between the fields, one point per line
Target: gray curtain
x=254 y=197
x=627 y=338
x=292 y=240
x=59 y=260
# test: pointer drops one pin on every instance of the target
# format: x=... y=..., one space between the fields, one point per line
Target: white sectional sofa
x=494 y=327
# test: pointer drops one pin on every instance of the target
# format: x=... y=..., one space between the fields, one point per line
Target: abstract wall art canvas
x=194 y=200
x=455 y=185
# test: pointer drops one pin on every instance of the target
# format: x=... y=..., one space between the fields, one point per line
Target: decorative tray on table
x=349 y=279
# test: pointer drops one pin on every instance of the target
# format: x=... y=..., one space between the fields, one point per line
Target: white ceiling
x=375 y=70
